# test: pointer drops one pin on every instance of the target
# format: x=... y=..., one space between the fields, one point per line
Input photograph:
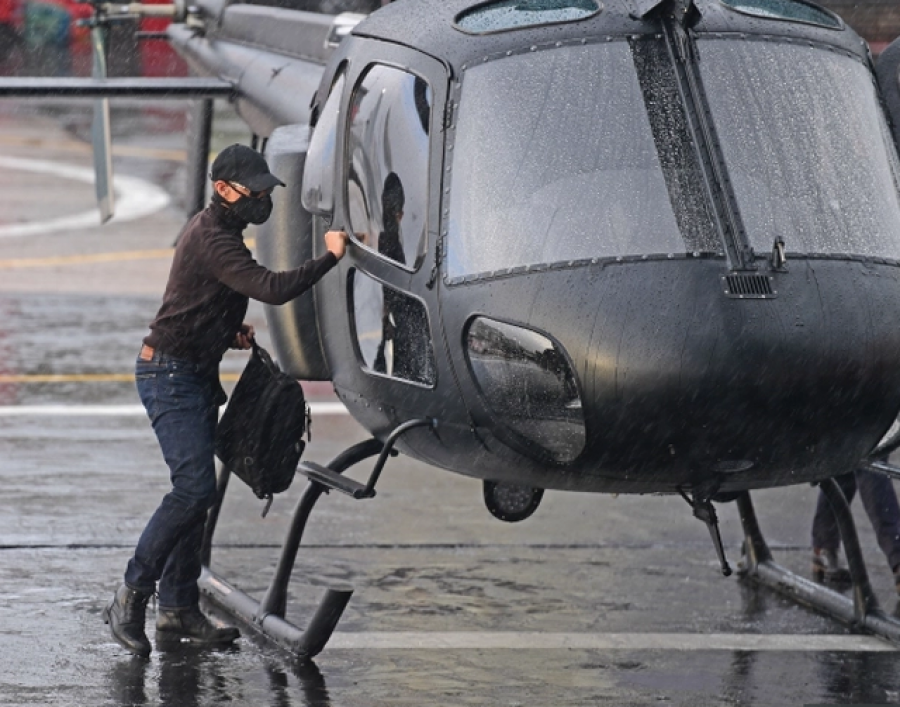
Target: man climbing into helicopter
x=212 y=278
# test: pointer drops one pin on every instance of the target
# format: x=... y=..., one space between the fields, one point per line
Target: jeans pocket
x=148 y=387
x=183 y=390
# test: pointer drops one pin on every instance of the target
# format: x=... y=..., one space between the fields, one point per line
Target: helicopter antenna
x=701 y=502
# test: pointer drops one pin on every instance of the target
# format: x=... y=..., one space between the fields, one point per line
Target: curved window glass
x=387 y=176
x=503 y=15
x=392 y=331
x=318 y=171
x=806 y=146
x=528 y=385
x=794 y=10
x=549 y=169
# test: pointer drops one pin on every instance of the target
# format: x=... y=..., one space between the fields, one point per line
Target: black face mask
x=253 y=210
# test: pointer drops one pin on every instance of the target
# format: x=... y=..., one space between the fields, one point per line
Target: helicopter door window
x=318 y=172
x=811 y=158
x=387 y=175
x=392 y=332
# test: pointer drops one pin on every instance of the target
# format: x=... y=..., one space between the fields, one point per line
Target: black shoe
x=827 y=568
x=125 y=615
x=190 y=624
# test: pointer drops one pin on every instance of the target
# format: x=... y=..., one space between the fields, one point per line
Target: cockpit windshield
x=554 y=160
x=806 y=147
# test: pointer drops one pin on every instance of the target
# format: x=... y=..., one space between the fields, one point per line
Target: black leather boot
x=125 y=615
x=190 y=624
x=826 y=567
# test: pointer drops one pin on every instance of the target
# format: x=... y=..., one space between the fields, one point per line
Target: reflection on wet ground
x=189 y=677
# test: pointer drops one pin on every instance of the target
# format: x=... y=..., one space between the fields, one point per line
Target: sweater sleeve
x=233 y=265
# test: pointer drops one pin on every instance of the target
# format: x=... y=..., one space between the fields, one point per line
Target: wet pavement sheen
x=451 y=607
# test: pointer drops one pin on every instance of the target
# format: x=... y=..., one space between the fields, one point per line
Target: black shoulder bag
x=259 y=437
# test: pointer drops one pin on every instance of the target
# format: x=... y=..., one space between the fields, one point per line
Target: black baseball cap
x=244 y=165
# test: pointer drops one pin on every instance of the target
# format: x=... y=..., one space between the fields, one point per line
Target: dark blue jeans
x=182 y=401
x=880 y=501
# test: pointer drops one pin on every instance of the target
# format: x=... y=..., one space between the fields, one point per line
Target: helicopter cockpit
x=551 y=164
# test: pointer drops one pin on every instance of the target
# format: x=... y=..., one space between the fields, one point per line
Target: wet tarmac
x=596 y=600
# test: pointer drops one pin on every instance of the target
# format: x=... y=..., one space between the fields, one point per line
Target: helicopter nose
x=655 y=374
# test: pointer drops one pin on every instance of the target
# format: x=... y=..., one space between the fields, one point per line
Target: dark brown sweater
x=213 y=276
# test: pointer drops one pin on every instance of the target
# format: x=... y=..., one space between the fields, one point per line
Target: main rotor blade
x=101 y=135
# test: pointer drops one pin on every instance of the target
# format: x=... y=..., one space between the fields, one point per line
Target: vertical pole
x=101 y=133
x=200 y=120
x=212 y=516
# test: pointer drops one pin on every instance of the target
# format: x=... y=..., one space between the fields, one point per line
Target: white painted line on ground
x=607 y=641
x=123 y=410
x=135 y=198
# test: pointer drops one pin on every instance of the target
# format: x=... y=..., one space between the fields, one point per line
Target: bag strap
x=263 y=355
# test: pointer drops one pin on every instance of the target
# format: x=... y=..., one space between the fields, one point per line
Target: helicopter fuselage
x=603 y=250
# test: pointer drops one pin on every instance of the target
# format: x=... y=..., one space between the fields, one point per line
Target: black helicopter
x=637 y=246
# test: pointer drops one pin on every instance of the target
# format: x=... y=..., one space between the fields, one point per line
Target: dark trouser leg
x=184 y=417
x=178 y=583
x=825 y=533
x=171 y=522
x=880 y=501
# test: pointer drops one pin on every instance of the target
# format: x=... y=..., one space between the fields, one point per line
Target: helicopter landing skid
x=267 y=617
x=861 y=612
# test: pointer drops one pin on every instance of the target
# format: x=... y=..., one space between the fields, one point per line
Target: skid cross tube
x=275 y=600
x=864 y=600
x=331 y=479
x=861 y=612
x=267 y=616
x=883 y=467
x=389 y=446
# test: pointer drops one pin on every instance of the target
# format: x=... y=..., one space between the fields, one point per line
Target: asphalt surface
x=595 y=600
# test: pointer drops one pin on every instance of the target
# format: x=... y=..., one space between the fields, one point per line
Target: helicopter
x=637 y=246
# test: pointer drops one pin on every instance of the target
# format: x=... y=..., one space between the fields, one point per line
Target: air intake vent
x=749 y=286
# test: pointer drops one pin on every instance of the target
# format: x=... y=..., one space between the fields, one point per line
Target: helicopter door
x=387 y=162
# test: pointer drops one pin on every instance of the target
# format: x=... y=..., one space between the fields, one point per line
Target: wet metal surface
x=595 y=600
